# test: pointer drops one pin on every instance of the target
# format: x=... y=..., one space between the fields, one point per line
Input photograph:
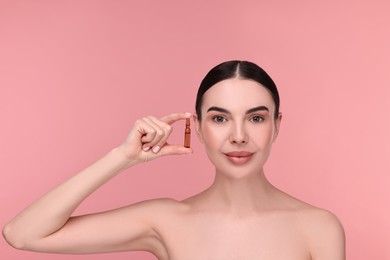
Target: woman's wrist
x=121 y=159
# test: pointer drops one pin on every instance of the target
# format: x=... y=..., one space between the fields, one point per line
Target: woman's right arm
x=46 y=225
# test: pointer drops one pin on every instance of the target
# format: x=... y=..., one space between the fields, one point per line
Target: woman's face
x=238 y=126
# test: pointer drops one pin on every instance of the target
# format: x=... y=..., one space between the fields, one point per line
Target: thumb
x=174 y=150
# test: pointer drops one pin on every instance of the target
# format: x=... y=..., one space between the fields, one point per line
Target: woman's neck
x=240 y=195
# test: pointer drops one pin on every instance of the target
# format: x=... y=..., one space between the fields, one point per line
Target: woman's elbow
x=13 y=238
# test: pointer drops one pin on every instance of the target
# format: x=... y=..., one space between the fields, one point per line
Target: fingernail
x=146 y=149
x=156 y=149
x=187 y=114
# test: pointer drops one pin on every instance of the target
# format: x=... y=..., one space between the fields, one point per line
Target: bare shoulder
x=326 y=235
x=156 y=207
x=322 y=223
x=324 y=232
x=160 y=204
x=312 y=216
x=328 y=220
x=157 y=210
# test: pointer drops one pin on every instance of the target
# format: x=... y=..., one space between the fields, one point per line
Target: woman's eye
x=256 y=119
x=219 y=119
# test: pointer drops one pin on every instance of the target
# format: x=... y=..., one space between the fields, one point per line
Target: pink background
x=76 y=74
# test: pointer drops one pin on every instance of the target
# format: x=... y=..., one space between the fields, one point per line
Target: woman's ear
x=277 y=126
x=197 y=128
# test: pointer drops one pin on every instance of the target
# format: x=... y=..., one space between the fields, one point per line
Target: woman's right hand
x=147 y=139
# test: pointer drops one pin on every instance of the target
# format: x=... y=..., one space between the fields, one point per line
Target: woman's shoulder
x=160 y=206
x=311 y=217
x=312 y=214
x=324 y=232
x=320 y=220
x=320 y=226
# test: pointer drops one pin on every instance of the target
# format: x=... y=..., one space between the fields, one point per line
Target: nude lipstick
x=239 y=157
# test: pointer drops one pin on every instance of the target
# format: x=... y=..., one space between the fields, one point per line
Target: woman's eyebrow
x=223 y=110
x=218 y=109
x=259 y=108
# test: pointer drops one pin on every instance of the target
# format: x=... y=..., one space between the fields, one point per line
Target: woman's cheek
x=212 y=136
x=261 y=136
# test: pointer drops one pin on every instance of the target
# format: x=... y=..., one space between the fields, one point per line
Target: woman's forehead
x=236 y=92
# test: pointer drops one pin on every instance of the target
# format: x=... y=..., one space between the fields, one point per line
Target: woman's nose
x=238 y=134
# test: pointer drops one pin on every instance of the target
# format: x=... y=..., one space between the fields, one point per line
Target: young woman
x=240 y=216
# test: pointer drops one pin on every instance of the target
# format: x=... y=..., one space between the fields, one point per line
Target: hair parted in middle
x=236 y=69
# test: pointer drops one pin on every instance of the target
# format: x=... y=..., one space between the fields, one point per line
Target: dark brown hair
x=236 y=69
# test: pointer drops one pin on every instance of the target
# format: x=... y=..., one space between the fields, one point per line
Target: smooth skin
x=240 y=216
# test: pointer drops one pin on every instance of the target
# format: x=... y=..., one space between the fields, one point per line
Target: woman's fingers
x=148 y=138
x=175 y=150
x=157 y=132
x=172 y=118
x=158 y=136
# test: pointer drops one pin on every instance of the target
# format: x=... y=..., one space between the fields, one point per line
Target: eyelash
x=217 y=119
x=260 y=119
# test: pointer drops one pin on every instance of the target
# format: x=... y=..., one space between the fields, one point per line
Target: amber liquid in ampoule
x=187 y=134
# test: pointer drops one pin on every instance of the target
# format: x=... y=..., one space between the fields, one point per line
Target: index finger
x=171 y=118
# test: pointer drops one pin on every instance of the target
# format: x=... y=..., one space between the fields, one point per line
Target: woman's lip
x=239 y=157
x=239 y=154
